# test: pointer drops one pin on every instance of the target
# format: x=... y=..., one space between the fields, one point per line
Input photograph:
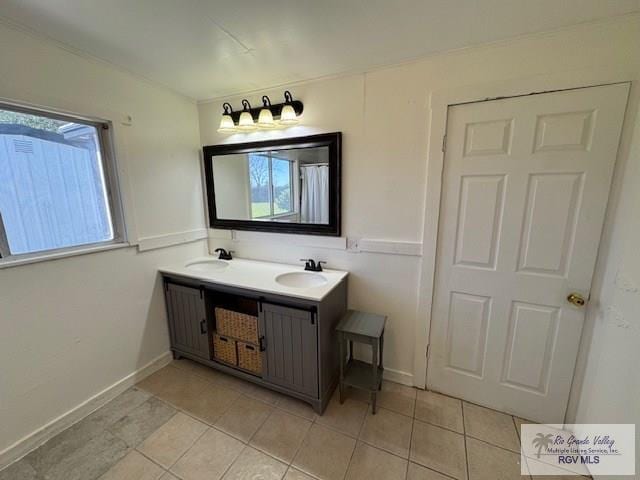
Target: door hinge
x=428 y=347
x=444 y=142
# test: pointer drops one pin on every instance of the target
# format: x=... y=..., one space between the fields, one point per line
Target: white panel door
x=525 y=187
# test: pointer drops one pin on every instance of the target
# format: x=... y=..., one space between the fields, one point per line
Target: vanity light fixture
x=288 y=114
x=226 y=122
x=246 y=119
x=265 y=119
x=267 y=116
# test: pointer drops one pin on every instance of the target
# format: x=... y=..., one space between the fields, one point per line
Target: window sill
x=45 y=257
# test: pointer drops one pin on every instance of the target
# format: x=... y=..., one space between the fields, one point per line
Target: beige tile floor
x=189 y=422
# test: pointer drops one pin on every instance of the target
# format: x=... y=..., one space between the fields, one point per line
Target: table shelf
x=359 y=374
x=366 y=328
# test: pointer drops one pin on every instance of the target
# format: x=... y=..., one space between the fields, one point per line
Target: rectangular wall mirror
x=289 y=185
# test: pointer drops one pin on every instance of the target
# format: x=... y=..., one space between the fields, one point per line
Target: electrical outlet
x=353 y=244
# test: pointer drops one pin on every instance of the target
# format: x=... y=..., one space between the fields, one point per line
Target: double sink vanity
x=268 y=323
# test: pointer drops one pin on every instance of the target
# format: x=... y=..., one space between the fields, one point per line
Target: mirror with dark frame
x=289 y=185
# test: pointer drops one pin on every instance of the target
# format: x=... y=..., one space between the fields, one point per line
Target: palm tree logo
x=542 y=441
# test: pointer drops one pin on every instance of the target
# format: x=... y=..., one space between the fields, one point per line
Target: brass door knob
x=576 y=299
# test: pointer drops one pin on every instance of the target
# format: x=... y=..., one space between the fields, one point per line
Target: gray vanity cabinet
x=296 y=336
x=290 y=348
x=187 y=319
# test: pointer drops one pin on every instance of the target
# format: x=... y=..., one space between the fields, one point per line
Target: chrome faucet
x=312 y=265
x=224 y=255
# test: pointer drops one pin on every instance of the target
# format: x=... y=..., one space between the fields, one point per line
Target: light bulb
x=246 y=121
x=265 y=119
x=288 y=116
x=226 y=124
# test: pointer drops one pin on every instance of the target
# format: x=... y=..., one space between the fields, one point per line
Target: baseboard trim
x=35 y=439
x=390 y=374
x=398 y=376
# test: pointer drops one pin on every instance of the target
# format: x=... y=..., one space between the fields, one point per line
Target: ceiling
x=212 y=48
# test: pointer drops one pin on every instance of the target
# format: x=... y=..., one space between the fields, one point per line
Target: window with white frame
x=58 y=185
x=271 y=180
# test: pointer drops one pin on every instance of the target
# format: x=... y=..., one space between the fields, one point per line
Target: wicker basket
x=224 y=349
x=237 y=325
x=249 y=357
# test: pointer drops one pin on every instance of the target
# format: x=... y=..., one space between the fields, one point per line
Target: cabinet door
x=290 y=342
x=187 y=320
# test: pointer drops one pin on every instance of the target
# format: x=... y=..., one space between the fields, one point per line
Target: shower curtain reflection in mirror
x=276 y=186
x=314 y=202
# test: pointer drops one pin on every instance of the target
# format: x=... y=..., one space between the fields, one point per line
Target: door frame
x=439 y=102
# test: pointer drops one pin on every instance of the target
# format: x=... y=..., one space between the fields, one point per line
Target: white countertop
x=256 y=275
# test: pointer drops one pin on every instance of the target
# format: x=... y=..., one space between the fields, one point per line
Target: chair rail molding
x=349 y=244
x=170 y=239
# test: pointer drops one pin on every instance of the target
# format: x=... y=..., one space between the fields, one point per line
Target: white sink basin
x=267 y=277
x=207 y=265
x=301 y=280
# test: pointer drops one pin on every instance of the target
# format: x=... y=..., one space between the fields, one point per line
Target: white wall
x=384 y=117
x=72 y=327
x=231 y=181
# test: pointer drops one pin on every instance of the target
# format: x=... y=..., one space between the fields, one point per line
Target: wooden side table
x=365 y=328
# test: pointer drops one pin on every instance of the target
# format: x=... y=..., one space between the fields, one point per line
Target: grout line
x=485 y=407
x=204 y=422
x=492 y=444
x=439 y=426
x=353 y=452
x=255 y=447
x=364 y=420
x=357 y=439
x=430 y=468
x=388 y=451
x=167 y=469
x=308 y=432
x=464 y=429
x=304 y=473
x=267 y=417
x=187 y=450
x=413 y=423
x=464 y=424
x=382 y=449
x=151 y=459
x=517 y=429
x=270 y=455
x=234 y=461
